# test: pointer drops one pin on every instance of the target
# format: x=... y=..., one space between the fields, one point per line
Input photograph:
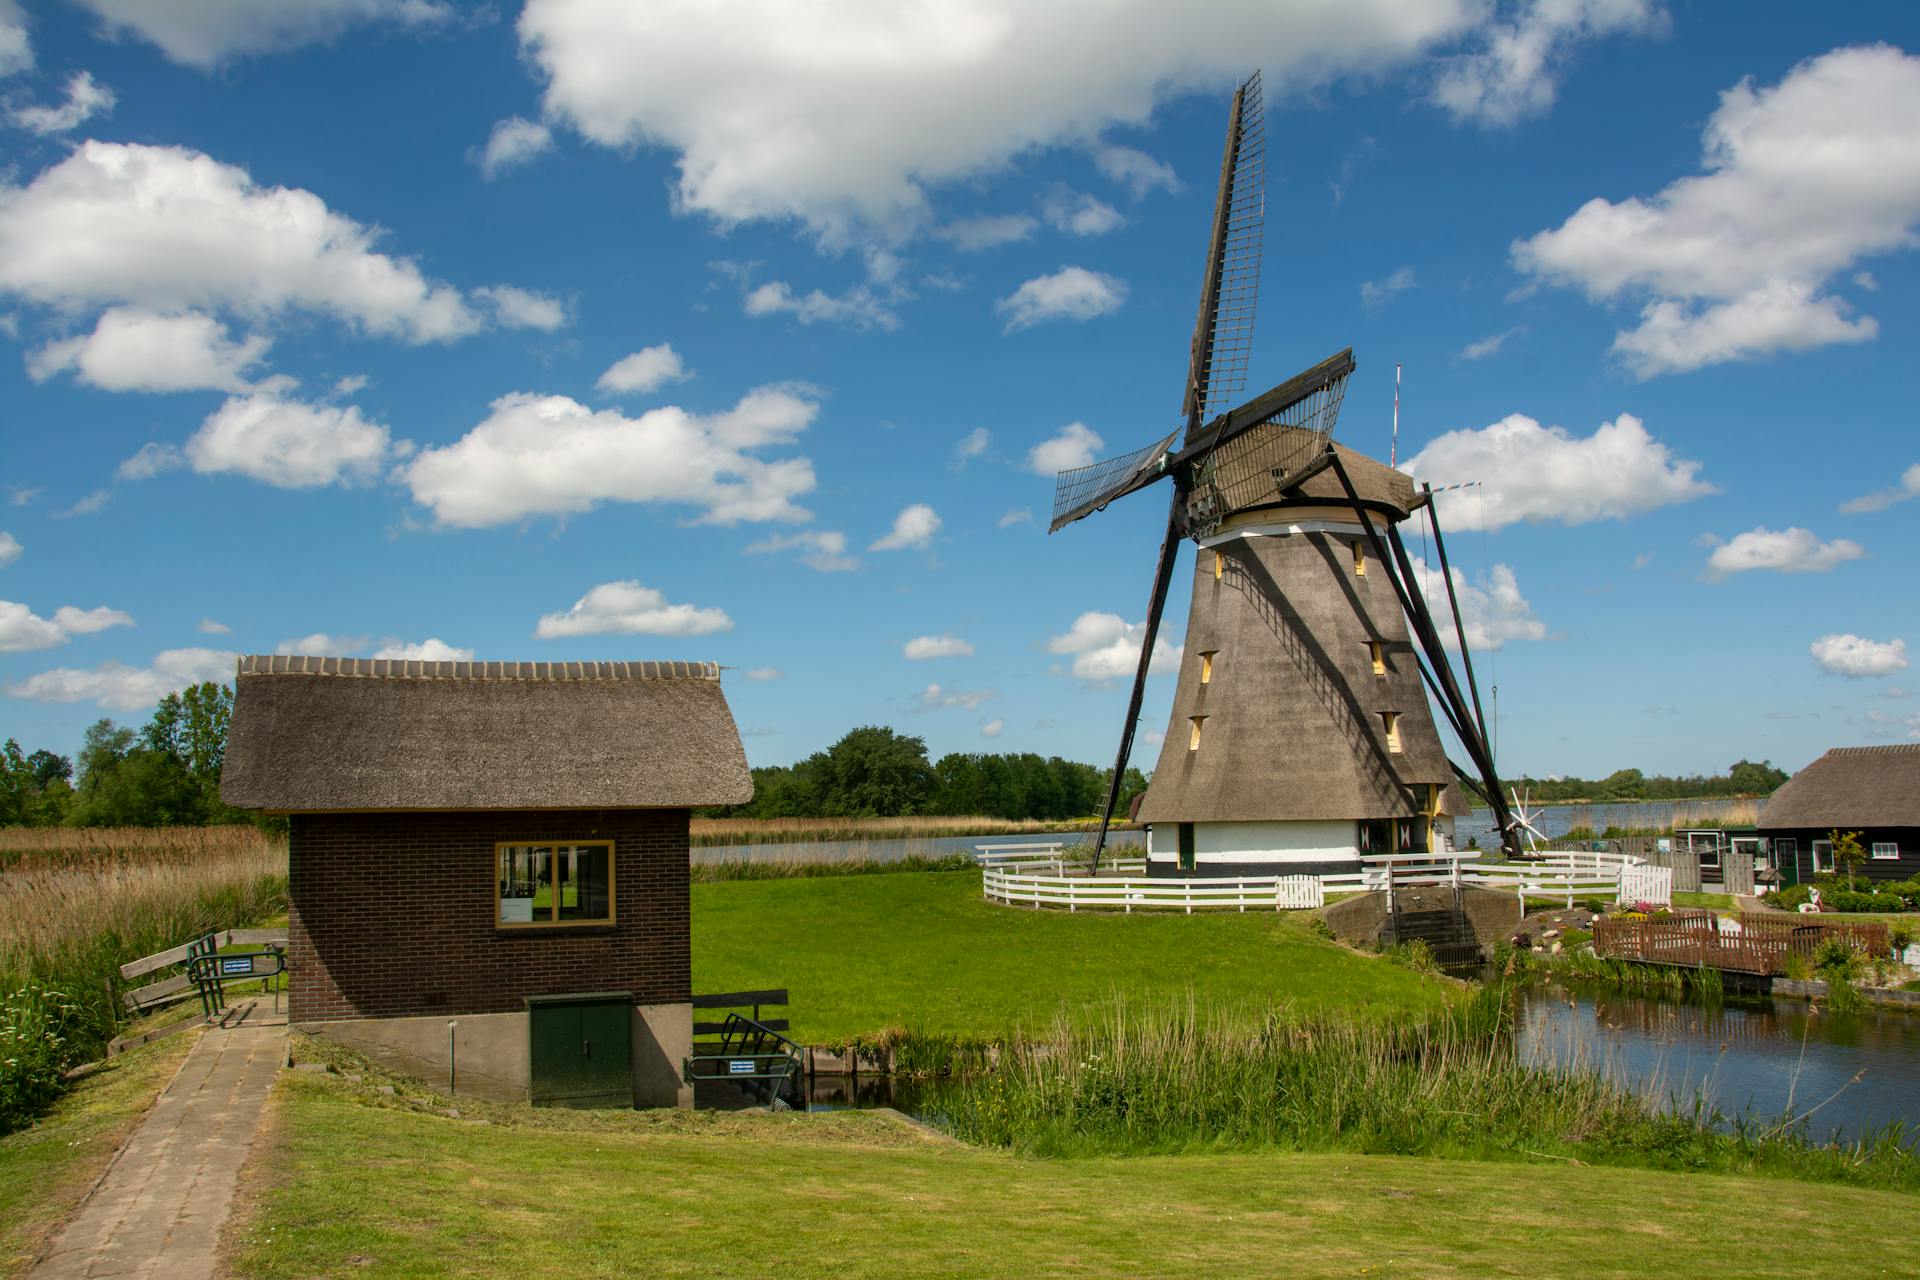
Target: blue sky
x=744 y=332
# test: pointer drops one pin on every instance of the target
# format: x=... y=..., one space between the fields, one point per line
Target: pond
x=1849 y=1073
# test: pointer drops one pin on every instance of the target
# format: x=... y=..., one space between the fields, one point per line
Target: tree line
x=164 y=774
x=1743 y=778
x=873 y=772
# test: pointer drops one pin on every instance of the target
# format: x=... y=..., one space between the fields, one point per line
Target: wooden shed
x=489 y=861
x=1872 y=790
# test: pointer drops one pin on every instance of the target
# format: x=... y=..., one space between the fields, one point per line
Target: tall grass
x=73 y=910
x=712 y=831
x=813 y=868
x=1178 y=1079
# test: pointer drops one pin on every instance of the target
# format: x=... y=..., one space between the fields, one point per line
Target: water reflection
x=1854 y=1072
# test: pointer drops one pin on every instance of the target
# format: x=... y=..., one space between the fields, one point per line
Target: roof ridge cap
x=260 y=664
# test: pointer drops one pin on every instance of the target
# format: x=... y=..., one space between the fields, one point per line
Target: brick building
x=488 y=861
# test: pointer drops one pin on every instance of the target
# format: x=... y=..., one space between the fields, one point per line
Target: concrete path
x=159 y=1209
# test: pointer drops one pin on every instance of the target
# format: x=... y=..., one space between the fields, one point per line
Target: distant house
x=488 y=861
x=1872 y=790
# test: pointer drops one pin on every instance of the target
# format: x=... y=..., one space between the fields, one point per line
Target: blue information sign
x=236 y=964
x=740 y=1067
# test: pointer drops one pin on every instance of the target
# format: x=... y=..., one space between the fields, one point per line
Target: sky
x=753 y=332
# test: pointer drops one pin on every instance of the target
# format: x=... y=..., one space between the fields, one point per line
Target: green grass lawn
x=1705 y=901
x=45 y=1170
x=550 y=1194
x=923 y=951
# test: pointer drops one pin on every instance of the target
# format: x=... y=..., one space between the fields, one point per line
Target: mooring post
x=452 y=1026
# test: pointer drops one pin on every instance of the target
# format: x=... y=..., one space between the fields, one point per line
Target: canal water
x=1554 y=821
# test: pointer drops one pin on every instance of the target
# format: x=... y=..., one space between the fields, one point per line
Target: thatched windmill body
x=1301 y=737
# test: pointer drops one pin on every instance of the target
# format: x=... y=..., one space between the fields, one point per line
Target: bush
x=1837 y=959
x=1845 y=900
x=1790 y=898
x=1575 y=938
x=1899 y=937
x=33 y=1051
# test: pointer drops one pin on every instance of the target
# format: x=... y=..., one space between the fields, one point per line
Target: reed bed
x=72 y=913
x=1175 y=1078
x=813 y=868
x=712 y=831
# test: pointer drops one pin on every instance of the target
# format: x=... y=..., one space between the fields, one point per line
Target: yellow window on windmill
x=1392 y=720
x=1219 y=565
x=1206 y=665
x=1378 y=653
x=1359 y=558
x=1193 y=742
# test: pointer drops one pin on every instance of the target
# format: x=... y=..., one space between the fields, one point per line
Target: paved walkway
x=159 y=1209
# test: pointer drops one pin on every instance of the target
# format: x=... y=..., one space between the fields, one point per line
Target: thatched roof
x=1293 y=727
x=316 y=734
x=1244 y=471
x=1852 y=787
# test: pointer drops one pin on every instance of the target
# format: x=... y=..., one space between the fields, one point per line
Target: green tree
x=1750 y=779
x=872 y=772
x=1848 y=852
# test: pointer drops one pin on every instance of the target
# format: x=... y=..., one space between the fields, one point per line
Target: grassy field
x=924 y=952
x=550 y=1194
x=710 y=831
x=47 y=1169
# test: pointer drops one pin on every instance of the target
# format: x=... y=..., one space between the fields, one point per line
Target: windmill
x=1301 y=735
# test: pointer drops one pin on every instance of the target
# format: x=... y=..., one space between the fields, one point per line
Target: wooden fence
x=1761 y=944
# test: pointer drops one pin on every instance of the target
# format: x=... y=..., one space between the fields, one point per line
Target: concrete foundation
x=489 y=1055
x=1359 y=920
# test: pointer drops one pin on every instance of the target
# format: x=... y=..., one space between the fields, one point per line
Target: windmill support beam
x=1440 y=679
x=1459 y=628
x=1156 y=603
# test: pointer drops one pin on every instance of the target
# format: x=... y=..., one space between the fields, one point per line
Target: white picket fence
x=1141 y=893
x=1040 y=881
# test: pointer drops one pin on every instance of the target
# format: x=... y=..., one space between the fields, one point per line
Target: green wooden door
x=582 y=1050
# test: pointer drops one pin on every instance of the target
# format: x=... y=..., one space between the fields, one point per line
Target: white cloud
x=206 y=33
x=429 y=650
x=912 y=529
x=351 y=384
x=16 y=46
x=22 y=629
x=512 y=143
x=171 y=229
x=1135 y=170
x=9 y=549
x=1908 y=487
x=935 y=698
x=119 y=687
x=972 y=445
x=842 y=115
x=824 y=550
x=149 y=460
x=1539 y=474
x=992 y=728
x=1489 y=346
x=1078 y=214
x=322 y=645
x=540 y=455
x=1074 y=445
x=1493 y=610
x=1014 y=516
x=86 y=98
x=629 y=609
x=647 y=369
x=1106 y=647
x=763 y=673
x=288 y=443
x=1375 y=292
x=1802 y=179
x=208 y=627
x=921 y=648
x=1786 y=551
x=1853 y=656
x=858 y=308
x=87 y=506
x=1071 y=293
x=133 y=349
x=521 y=309
x=1517 y=74
x=973 y=235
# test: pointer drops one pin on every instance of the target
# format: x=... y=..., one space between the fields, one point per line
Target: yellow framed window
x=1206 y=665
x=549 y=884
x=1219 y=566
x=1359 y=559
x=1391 y=719
x=1377 y=653
x=1193 y=741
